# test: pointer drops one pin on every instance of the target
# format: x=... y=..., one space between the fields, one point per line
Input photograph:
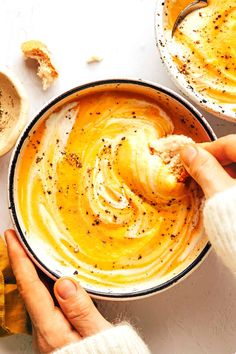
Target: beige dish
x=13 y=110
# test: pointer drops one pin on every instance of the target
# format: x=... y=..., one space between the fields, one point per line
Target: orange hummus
x=204 y=49
x=92 y=191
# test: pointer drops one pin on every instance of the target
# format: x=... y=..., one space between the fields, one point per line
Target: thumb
x=78 y=307
x=206 y=170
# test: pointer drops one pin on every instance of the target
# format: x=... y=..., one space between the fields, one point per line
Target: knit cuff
x=220 y=225
x=116 y=340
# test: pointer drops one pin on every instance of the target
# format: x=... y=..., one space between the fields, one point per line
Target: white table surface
x=198 y=316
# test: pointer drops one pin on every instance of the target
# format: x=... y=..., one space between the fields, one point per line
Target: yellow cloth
x=13 y=316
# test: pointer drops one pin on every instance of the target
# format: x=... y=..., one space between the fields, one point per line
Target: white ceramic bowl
x=162 y=41
x=167 y=99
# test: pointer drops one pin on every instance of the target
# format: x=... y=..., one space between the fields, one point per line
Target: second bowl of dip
x=200 y=57
x=83 y=189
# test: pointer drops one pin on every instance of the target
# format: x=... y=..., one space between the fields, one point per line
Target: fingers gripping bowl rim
x=179 y=78
x=53 y=273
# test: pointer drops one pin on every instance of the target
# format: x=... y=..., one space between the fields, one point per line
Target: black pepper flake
x=139 y=257
x=96 y=222
x=38 y=159
x=75 y=272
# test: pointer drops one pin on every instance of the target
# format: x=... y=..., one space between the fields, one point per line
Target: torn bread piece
x=37 y=50
x=168 y=149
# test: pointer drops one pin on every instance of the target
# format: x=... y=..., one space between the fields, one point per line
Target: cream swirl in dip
x=95 y=190
x=204 y=49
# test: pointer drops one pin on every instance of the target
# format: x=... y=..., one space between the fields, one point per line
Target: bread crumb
x=46 y=71
x=94 y=59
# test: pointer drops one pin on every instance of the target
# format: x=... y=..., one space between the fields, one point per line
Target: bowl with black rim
x=169 y=100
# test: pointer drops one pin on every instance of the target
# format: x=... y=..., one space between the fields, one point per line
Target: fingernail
x=188 y=153
x=66 y=288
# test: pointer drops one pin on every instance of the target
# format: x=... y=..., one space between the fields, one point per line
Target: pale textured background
x=198 y=316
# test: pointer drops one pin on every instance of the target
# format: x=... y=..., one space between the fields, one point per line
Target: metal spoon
x=195 y=5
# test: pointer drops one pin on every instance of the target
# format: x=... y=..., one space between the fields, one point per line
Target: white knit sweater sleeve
x=220 y=225
x=121 y=339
